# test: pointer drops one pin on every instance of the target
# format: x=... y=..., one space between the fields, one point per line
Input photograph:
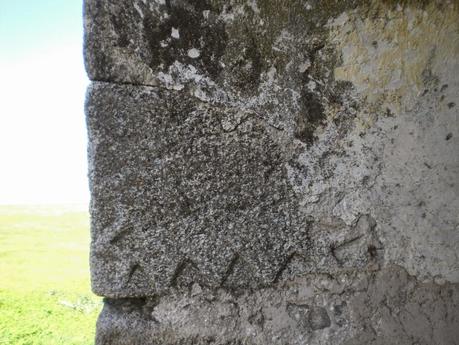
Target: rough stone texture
x=386 y=307
x=274 y=172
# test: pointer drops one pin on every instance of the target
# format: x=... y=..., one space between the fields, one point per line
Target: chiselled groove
x=230 y=268
x=155 y=86
x=118 y=236
x=371 y=221
x=180 y=270
x=347 y=243
x=134 y=268
x=284 y=266
x=333 y=254
x=237 y=125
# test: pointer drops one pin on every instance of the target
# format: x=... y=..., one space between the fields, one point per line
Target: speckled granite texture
x=274 y=172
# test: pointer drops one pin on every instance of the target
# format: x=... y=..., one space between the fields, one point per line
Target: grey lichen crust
x=239 y=148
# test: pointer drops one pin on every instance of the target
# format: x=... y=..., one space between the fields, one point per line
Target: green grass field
x=45 y=295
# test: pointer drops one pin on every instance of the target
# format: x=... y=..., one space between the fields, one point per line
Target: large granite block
x=183 y=191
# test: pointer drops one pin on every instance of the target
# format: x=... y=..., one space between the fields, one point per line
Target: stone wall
x=274 y=171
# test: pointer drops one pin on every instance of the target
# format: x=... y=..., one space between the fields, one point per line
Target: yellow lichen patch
x=393 y=57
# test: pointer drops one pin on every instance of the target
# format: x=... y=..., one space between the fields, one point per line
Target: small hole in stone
x=372 y=251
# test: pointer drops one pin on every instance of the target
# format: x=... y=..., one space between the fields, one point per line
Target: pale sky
x=42 y=88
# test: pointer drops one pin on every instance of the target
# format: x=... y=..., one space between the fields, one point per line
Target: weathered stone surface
x=184 y=191
x=238 y=148
x=385 y=307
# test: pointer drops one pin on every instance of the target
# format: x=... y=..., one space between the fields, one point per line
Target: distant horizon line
x=45 y=204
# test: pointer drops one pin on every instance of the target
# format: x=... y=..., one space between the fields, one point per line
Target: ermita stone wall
x=274 y=171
